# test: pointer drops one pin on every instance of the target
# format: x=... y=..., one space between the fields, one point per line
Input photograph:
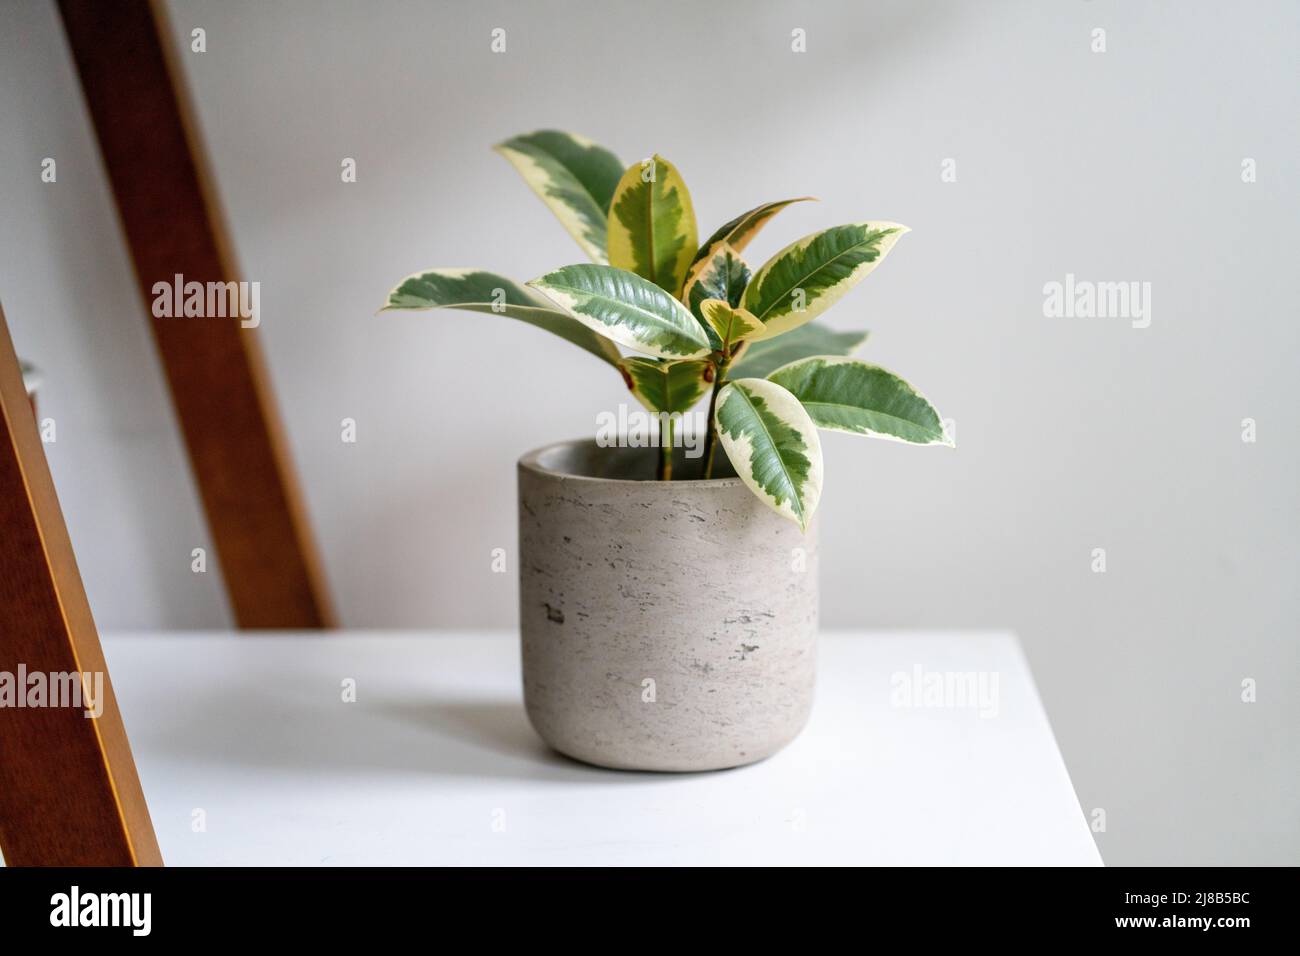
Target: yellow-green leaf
x=667 y=385
x=651 y=224
x=729 y=323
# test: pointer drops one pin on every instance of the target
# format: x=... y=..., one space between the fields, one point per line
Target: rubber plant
x=701 y=319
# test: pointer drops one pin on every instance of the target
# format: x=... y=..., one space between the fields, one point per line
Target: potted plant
x=668 y=604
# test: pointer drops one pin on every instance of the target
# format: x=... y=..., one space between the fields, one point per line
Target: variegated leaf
x=723 y=275
x=626 y=308
x=758 y=359
x=846 y=395
x=661 y=385
x=745 y=227
x=729 y=323
x=807 y=277
x=652 y=224
x=476 y=290
x=574 y=177
x=773 y=445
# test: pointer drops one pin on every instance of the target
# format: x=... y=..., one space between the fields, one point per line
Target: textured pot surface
x=665 y=625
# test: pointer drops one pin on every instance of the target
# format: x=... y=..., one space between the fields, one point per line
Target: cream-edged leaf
x=477 y=290
x=626 y=308
x=574 y=177
x=773 y=445
x=847 y=395
x=807 y=277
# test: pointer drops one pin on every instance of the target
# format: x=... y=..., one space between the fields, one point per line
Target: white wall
x=70 y=301
x=1073 y=434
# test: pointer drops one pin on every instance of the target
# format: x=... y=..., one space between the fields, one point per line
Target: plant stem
x=710 y=433
x=666 y=452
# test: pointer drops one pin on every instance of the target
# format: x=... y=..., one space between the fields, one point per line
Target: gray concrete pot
x=665 y=625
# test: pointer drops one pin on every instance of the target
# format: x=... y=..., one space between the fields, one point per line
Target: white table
x=435 y=763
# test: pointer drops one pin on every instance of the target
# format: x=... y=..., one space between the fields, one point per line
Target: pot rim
x=532 y=463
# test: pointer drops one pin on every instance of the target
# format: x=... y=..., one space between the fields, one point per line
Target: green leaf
x=730 y=324
x=667 y=385
x=773 y=445
x=805 y=278
x=652 y=224
x=846 y=395
x=573 y=176
x=626 y=308
x=476 y=290
x=758 y=359
x=722 y=276
x=745 y=227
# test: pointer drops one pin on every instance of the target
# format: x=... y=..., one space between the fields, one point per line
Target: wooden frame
x=214 y=367
x=69 y=794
